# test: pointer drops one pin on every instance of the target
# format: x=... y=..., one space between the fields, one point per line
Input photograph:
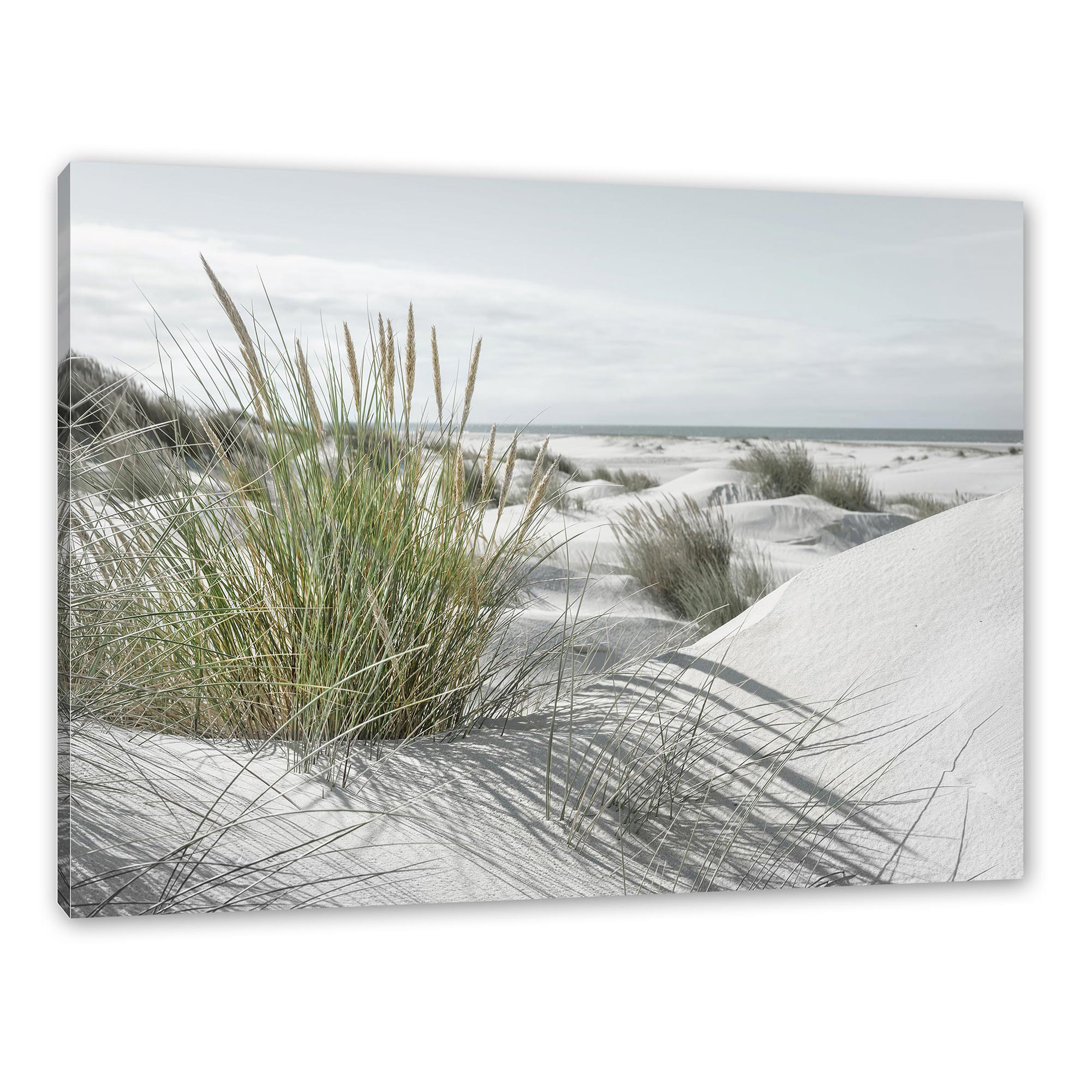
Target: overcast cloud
x=597 y=303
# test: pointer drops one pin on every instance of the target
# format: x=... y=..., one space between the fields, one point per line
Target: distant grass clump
x=632 y=481
x=329 y=587
x=566 y=469
x=850 y=489
x=687 y=556
x=928 y=505
x=781 y=471
x=786 y=470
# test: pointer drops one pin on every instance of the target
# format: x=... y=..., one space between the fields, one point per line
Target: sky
x=597 y=303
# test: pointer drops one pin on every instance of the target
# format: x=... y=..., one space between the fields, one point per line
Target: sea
x=927 y=436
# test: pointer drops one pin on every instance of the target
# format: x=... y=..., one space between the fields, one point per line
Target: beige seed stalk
x=488 y=460
x=309 y=393
x=388 y=367
x=247 y=346
x=410 y=362
x=470 y=385
x=507 y=477
x=437 y=375
x=537 y=497
x=354 y=370
x=538 y=466
x=459 y=476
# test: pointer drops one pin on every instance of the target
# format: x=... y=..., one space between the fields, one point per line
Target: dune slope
x=861 y=724
x=925 y=626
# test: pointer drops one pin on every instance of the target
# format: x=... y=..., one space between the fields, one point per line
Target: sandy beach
x=861 y=723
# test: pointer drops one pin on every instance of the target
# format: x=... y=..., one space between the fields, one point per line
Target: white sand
x=914 y=776
x=793 y=534
x=984 y=468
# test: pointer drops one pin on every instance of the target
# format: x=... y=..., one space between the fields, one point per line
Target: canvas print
x=430 y=539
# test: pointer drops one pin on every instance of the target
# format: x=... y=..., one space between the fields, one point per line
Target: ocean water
x=811 y=434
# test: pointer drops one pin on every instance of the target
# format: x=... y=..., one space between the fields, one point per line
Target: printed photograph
x=432 y=539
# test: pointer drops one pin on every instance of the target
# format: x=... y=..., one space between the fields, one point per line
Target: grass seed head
x=410 y=361
x=309 y=393
x=508 y=476
x=354 y=369
x=436 y=375
x=489 y=458
x=470 y=385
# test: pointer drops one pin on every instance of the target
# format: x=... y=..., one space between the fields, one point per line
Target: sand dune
x=862 y=723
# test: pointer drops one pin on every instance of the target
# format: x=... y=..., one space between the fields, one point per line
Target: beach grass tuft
x=632 y=481
x=781 y=471
x=687 y=555
x=847 y=488
x=925 y=506
x=787 y=469
x=315 y=575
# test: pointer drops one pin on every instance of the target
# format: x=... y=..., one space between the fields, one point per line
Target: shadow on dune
x=688 y=775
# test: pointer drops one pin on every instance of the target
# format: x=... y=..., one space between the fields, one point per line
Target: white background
x=934 y=99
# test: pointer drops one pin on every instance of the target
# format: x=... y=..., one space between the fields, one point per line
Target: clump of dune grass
x=569 y=470
x=847 y=488
x=687 y=556
x=781 y=471
x=787 y=469
x=632 y=481
x=925 y=506
x=334 y=587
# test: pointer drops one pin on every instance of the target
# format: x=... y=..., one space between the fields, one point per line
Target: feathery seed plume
x=508 y=475
x=459 y=475
x=538 y=466
x=488 y=459
x=354 y=370
x=437 y=375
x=538 y=495
x=388 y=367
x=247 y=346
x=309 y=393
x=470 y=386
x=410 y=361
